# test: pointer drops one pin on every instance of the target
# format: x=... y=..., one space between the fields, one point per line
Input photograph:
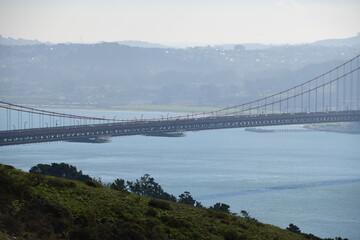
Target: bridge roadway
x=151 y=127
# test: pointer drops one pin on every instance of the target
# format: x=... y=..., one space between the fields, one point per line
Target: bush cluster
x=37 y=207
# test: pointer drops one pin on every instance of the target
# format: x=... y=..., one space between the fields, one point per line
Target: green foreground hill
x=34 y=206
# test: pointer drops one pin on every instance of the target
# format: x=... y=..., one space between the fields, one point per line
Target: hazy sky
x=180 y=22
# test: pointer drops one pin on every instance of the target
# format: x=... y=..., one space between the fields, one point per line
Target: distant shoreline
x=334 y=127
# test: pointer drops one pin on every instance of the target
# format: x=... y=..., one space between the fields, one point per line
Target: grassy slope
x=34 y=206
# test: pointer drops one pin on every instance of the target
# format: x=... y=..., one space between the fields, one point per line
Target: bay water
x=310 y=179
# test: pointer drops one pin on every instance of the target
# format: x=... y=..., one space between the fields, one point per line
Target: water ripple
x=279 y=188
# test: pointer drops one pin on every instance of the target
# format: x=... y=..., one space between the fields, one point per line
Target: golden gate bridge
x=330 y=97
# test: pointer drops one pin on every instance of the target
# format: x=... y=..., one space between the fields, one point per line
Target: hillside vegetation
x=34 y=206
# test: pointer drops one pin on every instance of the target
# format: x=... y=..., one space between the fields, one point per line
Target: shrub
x=246 y=215
x=62 y=170
x=159 y=204
x=4 y=236
x=8 y=167
x=175 y=222
x=92 y=184
x=119 y=184
x=151 y=212
x=146 y=186
x=60 y=184
x=221 y=207
x=186 y=198
x=232 y=234
x=293 y=228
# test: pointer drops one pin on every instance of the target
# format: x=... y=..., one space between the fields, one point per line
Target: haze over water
x=311 y=179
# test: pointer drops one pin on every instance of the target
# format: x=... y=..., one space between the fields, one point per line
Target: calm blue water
x=311 y=179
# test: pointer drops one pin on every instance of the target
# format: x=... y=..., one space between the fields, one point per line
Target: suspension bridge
x=333 y=96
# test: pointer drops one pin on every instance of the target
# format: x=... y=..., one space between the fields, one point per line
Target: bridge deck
x=148 y=127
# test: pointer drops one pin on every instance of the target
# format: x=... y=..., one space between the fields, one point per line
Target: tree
x=198 y=204
x=146 y=186
x=186 y=198
x=336 y=238
x=119 y=184
x=246 y=215
x=293 y=228
x=221 y=207
x=62 y=170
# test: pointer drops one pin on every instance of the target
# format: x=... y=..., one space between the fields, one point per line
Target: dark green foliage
x=246 y=215
x=9 y=186
x=198 y=204
x=159 y=204
x=293 y=228
x=146 y=186
x=221 y=207
x=336 y=238
x=39 y=207
x=119 y=184
x=232 y=234
x=54 y=222
x=60 y=184
x=186 y=198
x=151 y=212
x=92 y=183
x=215 y=214
x=8 y=167
x=36 y=179
x=21 y=210
x=115 y=230
x=62 y=170
x=175 y=222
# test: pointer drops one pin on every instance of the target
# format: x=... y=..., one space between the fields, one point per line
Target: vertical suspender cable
x=316 y=94
x=309 y=97
x=294 y=110
x=323 y=91
x=330 y=90
x=344 y=90
x=302 y=98
x=358 y=84
x=351 y=87
x=287 y=101
x=337 y=89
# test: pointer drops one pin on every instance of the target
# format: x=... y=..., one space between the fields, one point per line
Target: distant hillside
x=349 y=42
x=247 y=46
x=18 y=41
x=34 y=206
x=110 y=74
x=141 y=44
x=341 y=42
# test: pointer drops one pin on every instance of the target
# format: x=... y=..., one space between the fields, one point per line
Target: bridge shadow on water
x=279 y=188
